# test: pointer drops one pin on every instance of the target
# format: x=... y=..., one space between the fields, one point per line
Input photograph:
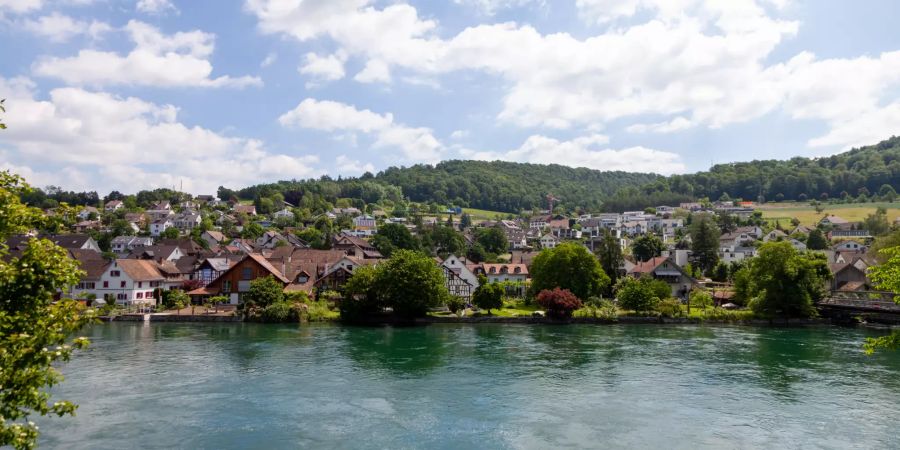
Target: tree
x=704 y=242
x=877 y=223
x=176 y=299
x=264 y=292
x=786 y=283
x=170 y=233
x=465 y=221
x=410 y=283
x=701 y=299
x=887 y=193
x=492 y=239
x=394 y=236
x=488 y=296
x=34 y=329
x=447 y=241
x=816 y=240
x=743 y=289
x=252 y=230
x=886 y=276
x=636 y=294
x=559 y=303
x=726 y=222
x=456 y=304
x=568 y=266
x=647 y=247
x=360 y=295
x=610 y=255
x=477 y=253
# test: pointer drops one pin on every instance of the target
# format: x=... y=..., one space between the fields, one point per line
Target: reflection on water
x=486 y=386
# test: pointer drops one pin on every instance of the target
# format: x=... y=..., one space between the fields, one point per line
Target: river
x=224 y=386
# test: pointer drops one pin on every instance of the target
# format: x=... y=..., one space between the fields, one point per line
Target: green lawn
x=483 y=214
x=807 y=214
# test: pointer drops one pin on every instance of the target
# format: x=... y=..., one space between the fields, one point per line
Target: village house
x=129 y=282
x=459 y=266
x=549 y=241
x=365 y=222
x=774 y=235
x=86 y=212
x=496 y=273
x=270 y=239
x=113 y=206
x=159 y=226
x=213 y=238
x=186 y=222
x=212 y=268
x=284 y=213
x=125 y=244
x=849 y=246
x=249 y=210
x=160 y=210
x=664 y=268
x=18 y=243
x=850 y=275
x=355 y=246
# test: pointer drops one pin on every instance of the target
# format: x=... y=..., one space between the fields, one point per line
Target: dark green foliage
x=410 y=283
x=488 y=296
x=568 y=266
x=393 y=236
x=263 y=292
x=704 y=242
x=816 y=240
x=877 y=222
x=170 y=233
x=444 y=240
x=646 y=247
x=609 y=252
x=281 y=312
x=508 y=186
x=785 y=283
x=638 y=294
x=493 y=240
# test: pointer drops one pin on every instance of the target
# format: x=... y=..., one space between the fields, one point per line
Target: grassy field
x=807 y=215
x=482 y=214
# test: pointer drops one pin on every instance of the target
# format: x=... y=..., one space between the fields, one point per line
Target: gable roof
x=268 y=266
x=140 y=269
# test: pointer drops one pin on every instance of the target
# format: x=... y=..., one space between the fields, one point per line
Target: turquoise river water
x=236 y=386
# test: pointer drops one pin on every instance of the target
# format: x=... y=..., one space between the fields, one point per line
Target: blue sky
x=138 y=94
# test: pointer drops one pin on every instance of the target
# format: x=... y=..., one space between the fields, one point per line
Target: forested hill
x=866 y=171
x=509 y=186
x=513 y=187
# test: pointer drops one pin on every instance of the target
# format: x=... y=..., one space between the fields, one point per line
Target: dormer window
x=302 y=278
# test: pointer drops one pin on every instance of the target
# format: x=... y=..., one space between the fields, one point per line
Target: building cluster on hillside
x=201 y=246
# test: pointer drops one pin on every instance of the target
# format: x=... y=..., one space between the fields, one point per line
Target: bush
x=559 y=303
x=638 y=294
x=281 y=312
x=701 y=299
x=488 y=296
x=670 y=307
x=597 y=308
x=320 y=311
x=727 y=315
x=456 y=304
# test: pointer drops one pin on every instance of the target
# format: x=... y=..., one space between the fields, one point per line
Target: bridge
x=871 y=306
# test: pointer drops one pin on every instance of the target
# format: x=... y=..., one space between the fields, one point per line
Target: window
x=302 y=278
x=246 y=273
x=114 y=273
x=226 y=286
x=122 y=296
x=122 y=284
x=155 y=283
x=139 y=295
x=106 y=284
x=140 y=284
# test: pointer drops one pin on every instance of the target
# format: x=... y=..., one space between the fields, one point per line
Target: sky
x=142 y=94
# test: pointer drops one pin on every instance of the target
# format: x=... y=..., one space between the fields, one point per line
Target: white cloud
x=706 y=66
x=20 y=6
x=416 y=144
x=181 y=59
x=324 y=68
x=677 y=124
x=156 y=6
x=129 y=144
x=60 y=28
x=348 y=166
x=459 y=134
x=491 y=7
x=587 y=152
x=269 y=60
